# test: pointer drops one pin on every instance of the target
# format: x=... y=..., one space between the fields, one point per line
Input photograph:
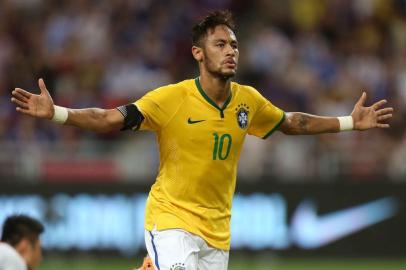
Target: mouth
x=230 y=63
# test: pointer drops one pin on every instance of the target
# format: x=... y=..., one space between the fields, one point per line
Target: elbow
x=295 y=124
x=103 y=123
x=288 y=132
x=288 y=127
x=112 y=121
x=105 y=129
x=101 y=128
x=106 y=126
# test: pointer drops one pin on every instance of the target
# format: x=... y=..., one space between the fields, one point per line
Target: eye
x=220 y=45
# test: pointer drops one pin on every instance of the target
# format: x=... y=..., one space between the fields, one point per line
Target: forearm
x=95 y=119
x=297 y=123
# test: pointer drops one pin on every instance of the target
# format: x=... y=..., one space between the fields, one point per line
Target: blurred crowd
x=314 y=56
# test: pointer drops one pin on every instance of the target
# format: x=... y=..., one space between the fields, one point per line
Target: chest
x=198 y=124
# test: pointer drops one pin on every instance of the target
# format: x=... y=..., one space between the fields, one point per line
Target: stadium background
x=304 y=55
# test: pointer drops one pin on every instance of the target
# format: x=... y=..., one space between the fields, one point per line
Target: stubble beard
x=216 y=72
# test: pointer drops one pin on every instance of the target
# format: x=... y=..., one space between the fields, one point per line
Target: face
x=219 y=52
x=34 y=255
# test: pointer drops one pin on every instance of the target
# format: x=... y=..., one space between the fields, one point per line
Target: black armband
x=132 y=117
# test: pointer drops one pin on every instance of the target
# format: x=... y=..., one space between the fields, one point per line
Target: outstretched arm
x=363 y=118
x=42 y=106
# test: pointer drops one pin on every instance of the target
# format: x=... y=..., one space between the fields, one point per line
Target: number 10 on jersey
x=222 y=146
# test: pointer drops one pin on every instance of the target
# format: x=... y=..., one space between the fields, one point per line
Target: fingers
x=19 y=103
x=22 y=110
x=382 y=125
x=42 y=86
x=19 y=96
x=362 y=99
x=379 y=104
x=22 y=92
x=384 y=111
x=384 y=117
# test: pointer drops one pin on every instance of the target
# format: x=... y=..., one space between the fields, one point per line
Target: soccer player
x=201 y=125
x=20 y=246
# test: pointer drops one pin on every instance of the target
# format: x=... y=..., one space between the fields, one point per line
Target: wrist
x=60 y=114
x=346 y=123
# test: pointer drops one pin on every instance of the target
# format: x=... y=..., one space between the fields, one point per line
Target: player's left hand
x=370 y=117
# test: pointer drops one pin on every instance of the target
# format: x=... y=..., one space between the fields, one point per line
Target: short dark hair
x=18 y=227
x=213 y=19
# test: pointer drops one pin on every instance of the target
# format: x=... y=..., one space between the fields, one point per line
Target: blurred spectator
x=20 y=246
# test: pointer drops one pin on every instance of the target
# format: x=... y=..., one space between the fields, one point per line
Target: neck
x=216 y=88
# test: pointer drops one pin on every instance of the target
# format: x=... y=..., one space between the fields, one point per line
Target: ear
x=22 y=246
x=197 y=53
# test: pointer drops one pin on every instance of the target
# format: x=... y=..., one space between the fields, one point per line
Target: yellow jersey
x=199 y=146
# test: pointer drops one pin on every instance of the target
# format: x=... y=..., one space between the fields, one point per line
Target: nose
x=230 y=51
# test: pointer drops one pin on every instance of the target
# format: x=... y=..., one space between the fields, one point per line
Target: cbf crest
x=242 y=111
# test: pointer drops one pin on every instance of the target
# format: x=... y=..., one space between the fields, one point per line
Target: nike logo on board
x=312 y=231
x=190 y=121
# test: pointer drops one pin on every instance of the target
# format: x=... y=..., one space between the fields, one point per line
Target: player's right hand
x=41 y=106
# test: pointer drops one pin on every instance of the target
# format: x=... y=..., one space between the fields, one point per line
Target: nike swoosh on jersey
x=312 y=231
x=190 y=121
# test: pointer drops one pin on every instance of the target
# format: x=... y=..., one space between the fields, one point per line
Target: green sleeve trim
x=275 y=128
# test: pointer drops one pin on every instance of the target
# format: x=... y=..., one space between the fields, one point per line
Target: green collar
x=209 y=100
